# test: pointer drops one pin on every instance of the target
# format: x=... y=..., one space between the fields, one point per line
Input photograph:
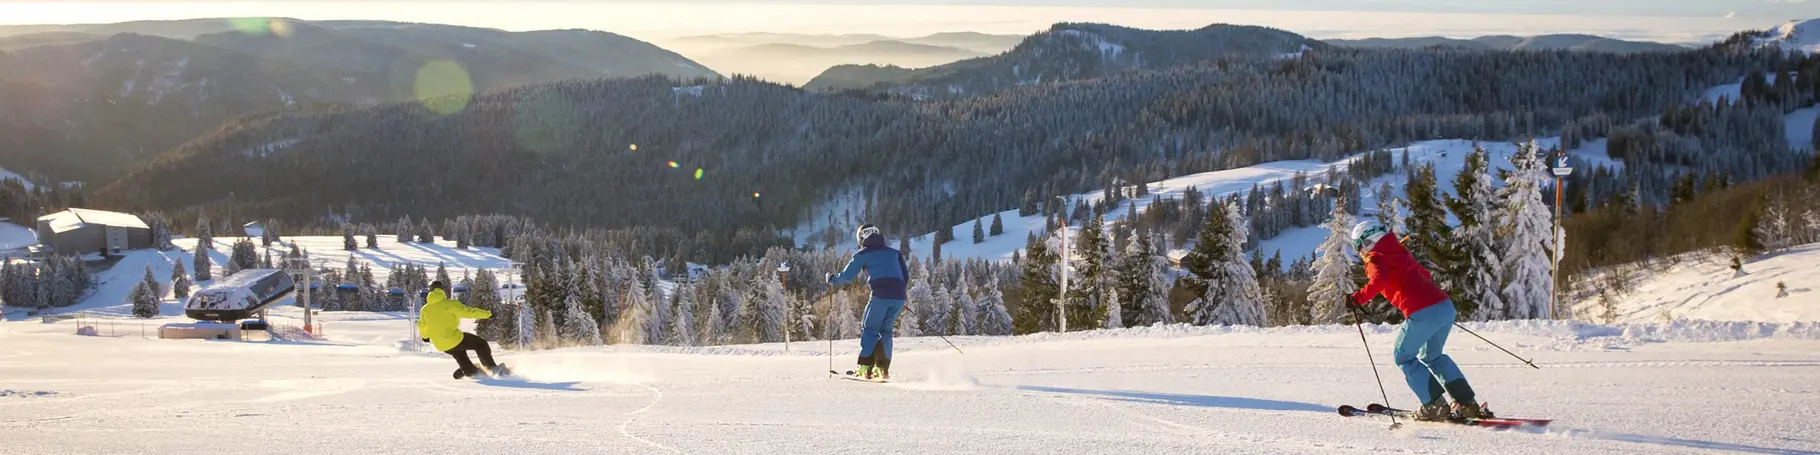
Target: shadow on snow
x=1208 y=401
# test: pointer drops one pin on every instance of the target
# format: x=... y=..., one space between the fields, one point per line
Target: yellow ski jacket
x=440 y=319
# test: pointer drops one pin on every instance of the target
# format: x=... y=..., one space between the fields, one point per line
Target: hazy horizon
x=658 y=21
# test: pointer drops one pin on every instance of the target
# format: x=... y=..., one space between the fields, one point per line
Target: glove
x=831 y=277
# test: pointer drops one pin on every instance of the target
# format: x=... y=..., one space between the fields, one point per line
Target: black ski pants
x=470 y=342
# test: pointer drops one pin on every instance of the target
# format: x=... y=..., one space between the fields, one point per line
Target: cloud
x=1732 y=14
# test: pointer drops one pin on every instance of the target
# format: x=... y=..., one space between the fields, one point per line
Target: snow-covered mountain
x=1803 y=36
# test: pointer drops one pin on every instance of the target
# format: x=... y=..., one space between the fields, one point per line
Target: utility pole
x=512 y=283
x=1554 y=277
x=1061 y=301
x=783 y=273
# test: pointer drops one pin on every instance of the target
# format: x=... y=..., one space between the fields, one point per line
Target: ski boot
x=880 y=374
x=862 y=372
x=1472 y=410
x=1435 y=411
x=460 y=374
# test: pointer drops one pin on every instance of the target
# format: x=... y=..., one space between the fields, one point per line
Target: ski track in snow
x=632 y=416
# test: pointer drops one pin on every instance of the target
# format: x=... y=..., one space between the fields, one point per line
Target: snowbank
x=1704 y=287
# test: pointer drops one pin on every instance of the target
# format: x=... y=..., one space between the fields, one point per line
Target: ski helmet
x=1366 y=234
x=863 y=232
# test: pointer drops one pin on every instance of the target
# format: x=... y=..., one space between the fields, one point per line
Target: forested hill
x=88 y=101
x=1074 y=51
x=562 y=152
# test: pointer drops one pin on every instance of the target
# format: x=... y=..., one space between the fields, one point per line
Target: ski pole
x=950 y=344
x=1495 y=345
x=1358 y=320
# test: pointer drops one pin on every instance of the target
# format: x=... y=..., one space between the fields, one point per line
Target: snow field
x=1171 y=389
x=1704 y=287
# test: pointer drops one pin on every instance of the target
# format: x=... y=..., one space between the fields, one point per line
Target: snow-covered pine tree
x=180 y=283
x=1774 y=228
x=966 y=313
x=1523 y=225
x=462 y=236
x=152 y=282
x=202 y=263
x=1391 y=210
x=922 y=298
x=1478 y=278
x=1427 y=235
x=713 y=330
x=995 y=319
x=634 y=324
x=144 y=299
x=426 y=233
x=1095 y=267
x=372 y=234
x=577 y=327
x=1154 y=308
x=770 y=310
x=1333 y=285
x=404 y=228
x=940 y=320
x=998 y=225
x=1038 y=288
x=548 y=336
x=161 y=233
x=682 y=325
x=846 y=322
x=205 y=237
x=442 y=274
x=484 y=294
x=1232 y=296
x=347 y=238
x=1114 y=315
x=979 y=230
x=660 y=309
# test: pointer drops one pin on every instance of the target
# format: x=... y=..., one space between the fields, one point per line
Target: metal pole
x=783 y=273
x=1061 y=301
x=1554 y=270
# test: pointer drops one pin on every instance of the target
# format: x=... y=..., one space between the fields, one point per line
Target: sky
x=1658 y=20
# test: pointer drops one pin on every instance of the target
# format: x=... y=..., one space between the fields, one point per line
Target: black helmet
x=864 y=232
x=438 y=284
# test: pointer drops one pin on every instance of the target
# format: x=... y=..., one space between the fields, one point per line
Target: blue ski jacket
x=884 y=267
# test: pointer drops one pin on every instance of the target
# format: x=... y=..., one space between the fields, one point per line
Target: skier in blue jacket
x=887 y=276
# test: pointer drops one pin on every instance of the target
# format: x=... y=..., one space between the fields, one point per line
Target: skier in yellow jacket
x=440 y=325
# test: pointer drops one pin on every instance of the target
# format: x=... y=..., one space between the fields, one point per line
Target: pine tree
x=244 y=256
x=144 y=299
x=966 y=312
x=846 y=324
x=462 y=237
x=660 y=307
x=713 y=331
x=979 y=231
x=682 y=327
x=634 y=325
x=998 y=225
x=1029 y=205
x=203 y=265
x=205 y=237
x=426 y=233
x=1773 y=229
x=1391 y=210
x=442 y=274
x=1232 y=296
x=577 y=327
x=940 y=320
x=180 y=283
x=994 y=318
x=1476 y=279
x=1428 y=236
x=1095 y=272
x=347 y=238
x=404 y=229
x=1039 y=289
x=161 y=233
x=1524 y=225
x=1333 y=281
x=151 y=282
x=1114 y=315
x=372 y=234
x=1153 y=270
x=922 y=298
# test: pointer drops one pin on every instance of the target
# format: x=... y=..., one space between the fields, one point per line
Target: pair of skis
x=855 y=377
x=1375 y=409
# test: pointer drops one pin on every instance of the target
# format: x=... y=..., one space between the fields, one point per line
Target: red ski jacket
x=1392 y=271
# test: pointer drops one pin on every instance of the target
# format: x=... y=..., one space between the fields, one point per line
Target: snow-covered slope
x=1169 y=389
x=1798 y=35
x=1704 y=287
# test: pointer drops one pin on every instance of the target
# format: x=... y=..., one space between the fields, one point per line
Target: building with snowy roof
x=82 y=231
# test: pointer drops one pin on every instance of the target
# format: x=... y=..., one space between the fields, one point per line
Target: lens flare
x=443 y=86
x=634 y=147
x=672 y=165
x=698 y=173
x=546 y=123
x=755 y=194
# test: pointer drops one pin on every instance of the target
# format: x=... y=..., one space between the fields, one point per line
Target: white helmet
x=863 y=232
x=1366 y=235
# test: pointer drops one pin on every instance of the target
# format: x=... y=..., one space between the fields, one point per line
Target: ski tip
x=1348 y=410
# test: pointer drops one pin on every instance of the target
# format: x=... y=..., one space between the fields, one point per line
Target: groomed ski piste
x=1682 y=386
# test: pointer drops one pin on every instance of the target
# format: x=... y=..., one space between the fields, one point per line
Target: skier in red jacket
x=1394 y=272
